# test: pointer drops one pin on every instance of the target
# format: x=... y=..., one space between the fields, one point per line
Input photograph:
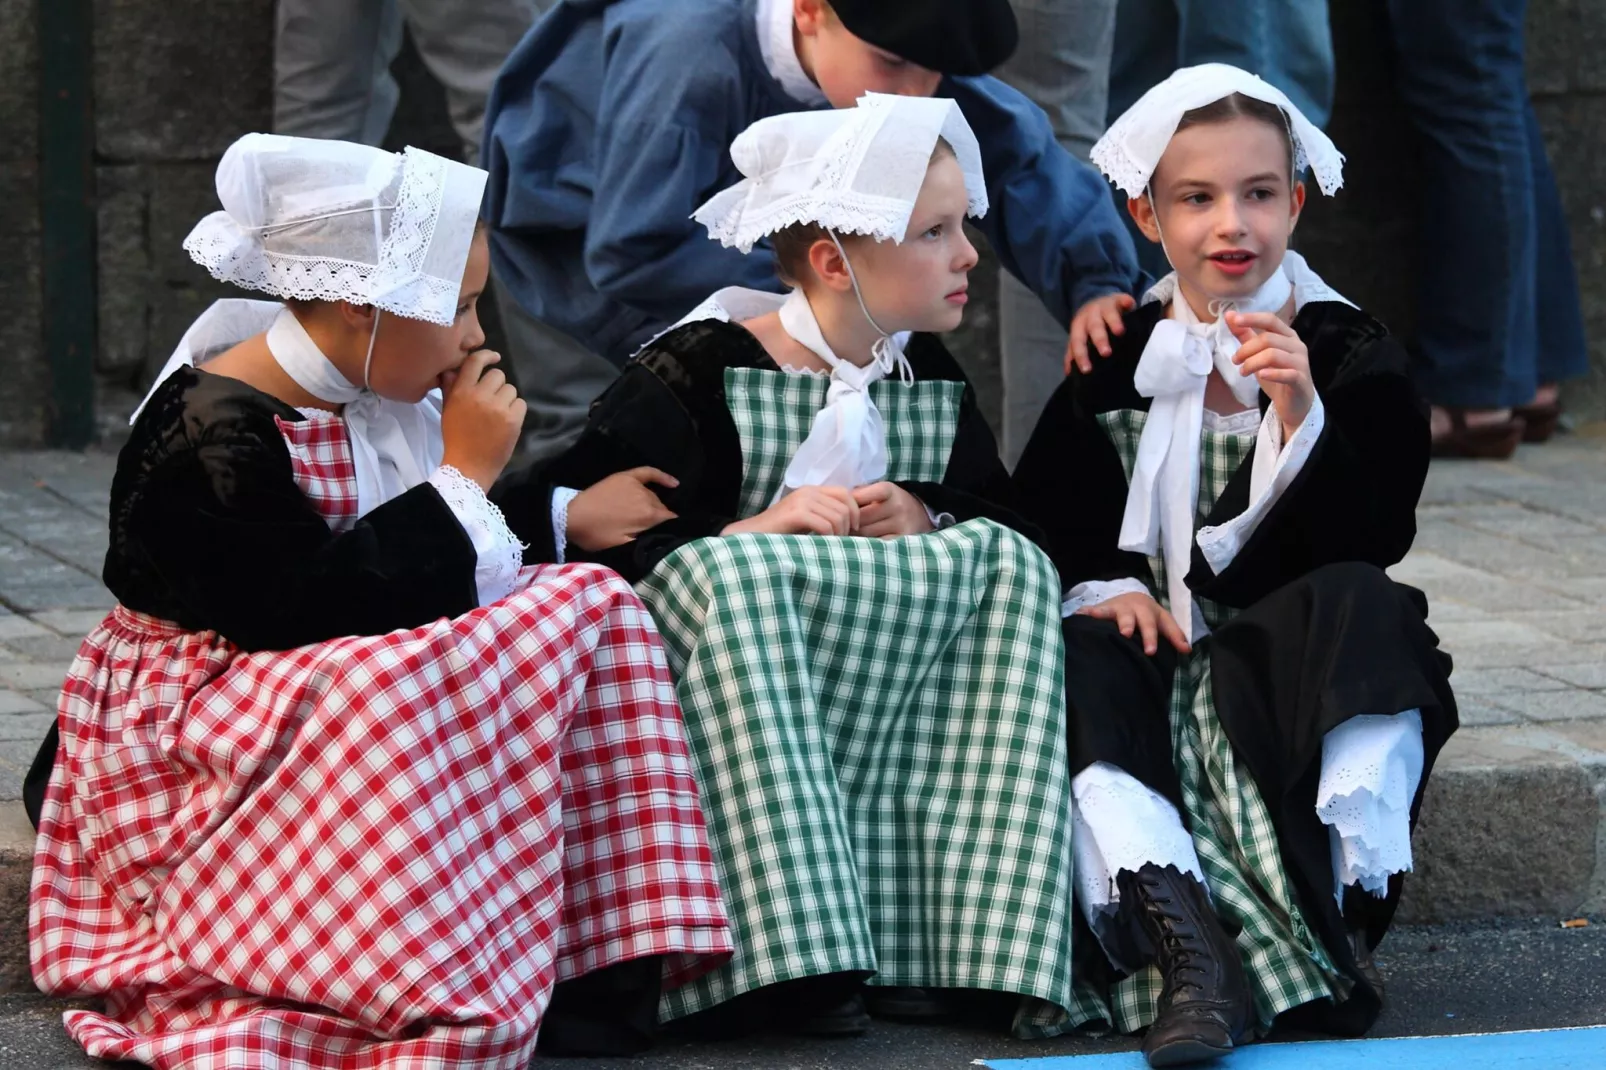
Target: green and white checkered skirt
x=878 y=729
x=1232 y=830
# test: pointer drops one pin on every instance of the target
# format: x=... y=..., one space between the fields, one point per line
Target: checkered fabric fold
x=373 y=852
x=1232 y=829
x=878 y=729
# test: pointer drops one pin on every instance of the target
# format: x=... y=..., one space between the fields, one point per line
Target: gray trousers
x=557 y=377
x=1063 y=66
x=331 y=61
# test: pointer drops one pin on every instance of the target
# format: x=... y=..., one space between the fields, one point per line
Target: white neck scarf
x=395 y=446
x=1174 y=369
x=847 y=446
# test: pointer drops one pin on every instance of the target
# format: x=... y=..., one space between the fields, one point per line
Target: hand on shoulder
x=1091 y=328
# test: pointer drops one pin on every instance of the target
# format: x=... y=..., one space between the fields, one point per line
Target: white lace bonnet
x=1131 y=149
x=855 y=170
x=334 y=221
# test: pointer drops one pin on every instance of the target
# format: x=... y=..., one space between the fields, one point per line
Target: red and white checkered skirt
x=377 y=851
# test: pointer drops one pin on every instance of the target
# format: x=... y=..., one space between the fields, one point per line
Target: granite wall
x=176 y=80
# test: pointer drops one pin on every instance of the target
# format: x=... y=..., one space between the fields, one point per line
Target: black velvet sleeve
x=210 y=530
x=1355 y=498
x=666 y=410
x=976 y=485
x=1070 y=479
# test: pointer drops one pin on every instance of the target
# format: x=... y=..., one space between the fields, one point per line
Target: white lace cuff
x=1094 y=592
x=496 y=572
x=1371 y=769
x=1274 y=467
x=561 y=497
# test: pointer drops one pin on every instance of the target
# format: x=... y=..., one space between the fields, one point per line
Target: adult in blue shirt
x=613 y=120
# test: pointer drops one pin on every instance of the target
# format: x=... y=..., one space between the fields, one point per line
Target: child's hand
x=615 y=510
x=481 y=418
x=805 y=511
x=1092 y=325
x=1142 y=613
x=887 y=510
x=1273 y=352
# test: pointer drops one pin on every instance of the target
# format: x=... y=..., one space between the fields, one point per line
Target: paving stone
x=1471 y=681
x=1481 y=633
x=1443 y=610
x=74 y=624
x=15 y=758
x=1569 y=705
x=46 y=696
x=51 y=649
x=1580 y=626
x=1587 y=674
x=1480 y=710
x=26 y=726
x=1480 y=588
x=1564 y=654
x=15 y=702
x=1501 y=556
x=28 y=676
x=16 y=626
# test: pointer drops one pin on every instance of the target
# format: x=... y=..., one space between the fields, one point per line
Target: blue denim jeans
x=1286 y=42
x=1498 y=304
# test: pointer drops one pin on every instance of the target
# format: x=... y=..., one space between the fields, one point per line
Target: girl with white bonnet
x=1222 y=496
x=349 y=777
x=864 y=633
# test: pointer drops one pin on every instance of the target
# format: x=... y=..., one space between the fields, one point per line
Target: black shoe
x=904 y=1004
x=1204 y=1007
x=845 y=1019
x=1365 y=962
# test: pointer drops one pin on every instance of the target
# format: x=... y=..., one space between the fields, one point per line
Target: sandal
x=1540 y=420
x=1486 y=442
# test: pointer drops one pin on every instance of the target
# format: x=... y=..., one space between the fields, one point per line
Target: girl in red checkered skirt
x=342 y=781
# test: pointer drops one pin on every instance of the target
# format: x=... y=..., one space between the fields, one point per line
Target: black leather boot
x=1205 y=1007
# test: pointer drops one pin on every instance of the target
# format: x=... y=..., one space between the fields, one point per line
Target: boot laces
x=1181 y=952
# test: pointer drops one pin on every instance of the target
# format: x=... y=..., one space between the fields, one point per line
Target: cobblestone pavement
x=1512 y=555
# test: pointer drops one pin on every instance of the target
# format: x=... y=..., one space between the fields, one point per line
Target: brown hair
x=1237 y=106
x=792 y=244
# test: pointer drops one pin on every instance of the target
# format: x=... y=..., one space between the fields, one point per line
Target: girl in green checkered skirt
x=865 y=639
x=1254 y=705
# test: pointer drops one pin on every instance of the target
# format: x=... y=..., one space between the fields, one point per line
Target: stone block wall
x=177 y=80
x=24 y=377
x=175 y=84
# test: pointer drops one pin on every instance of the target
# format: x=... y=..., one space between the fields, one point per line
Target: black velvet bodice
x=668 y=410
x=1354 y=499
x=209 y=530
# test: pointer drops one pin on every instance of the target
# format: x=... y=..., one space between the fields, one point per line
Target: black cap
x=948 y=36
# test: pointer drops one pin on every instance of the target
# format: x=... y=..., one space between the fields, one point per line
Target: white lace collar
x=774 y=20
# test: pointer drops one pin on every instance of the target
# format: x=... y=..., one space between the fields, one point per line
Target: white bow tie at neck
x=394 y=446
x=1174 y=370
x=847 y=444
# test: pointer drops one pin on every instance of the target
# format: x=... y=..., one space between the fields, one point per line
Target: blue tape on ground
x=1551 y=1049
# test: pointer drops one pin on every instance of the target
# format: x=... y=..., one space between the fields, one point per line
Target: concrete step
x=1511 y=827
